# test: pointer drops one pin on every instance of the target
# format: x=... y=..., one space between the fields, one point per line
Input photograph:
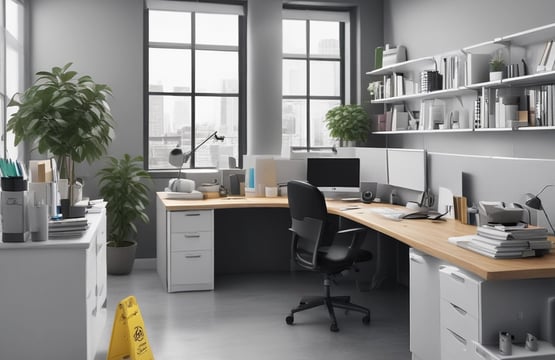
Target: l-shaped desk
x=185 y=261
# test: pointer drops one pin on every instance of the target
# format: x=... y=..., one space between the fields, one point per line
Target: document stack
x=506 y=242
x=67 y=228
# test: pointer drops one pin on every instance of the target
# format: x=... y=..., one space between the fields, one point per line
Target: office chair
x=316 y=247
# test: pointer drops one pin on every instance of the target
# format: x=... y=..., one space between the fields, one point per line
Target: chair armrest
x=354 y=237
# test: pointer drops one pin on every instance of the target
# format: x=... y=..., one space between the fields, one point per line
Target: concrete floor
x=244 y=319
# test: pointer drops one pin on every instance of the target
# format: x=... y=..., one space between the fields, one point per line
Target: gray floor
x=244 y=318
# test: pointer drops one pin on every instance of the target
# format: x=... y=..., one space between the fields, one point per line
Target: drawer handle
x=193 y=256
x=459 y=309
x=458 y=277
x=416 y=258
x=195 y=236
x=193 y=214
x=458 y=337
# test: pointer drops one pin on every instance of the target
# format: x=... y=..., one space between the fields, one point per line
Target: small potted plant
x=496 y=67
x=348 y=123
x=122 y=185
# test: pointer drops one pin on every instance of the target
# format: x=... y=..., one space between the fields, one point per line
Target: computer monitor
x=407 y=168
x=334 y=174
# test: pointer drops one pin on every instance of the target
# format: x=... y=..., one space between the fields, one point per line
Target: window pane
x=14 y=76
x=294 y=37
x=216 y=114
x=169 y=125
x=293 y=123
x=324 y=38
x=217 y=29
x=217 y=72
x=294 y=77
x=319 y=133
x=14 y=16
x=169 y=70
x=325 y=79
x=169 y=26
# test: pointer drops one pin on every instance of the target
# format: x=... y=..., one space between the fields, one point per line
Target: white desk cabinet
x=424 y=304
x=185 y=249
x=53 y=296
x=474 y=311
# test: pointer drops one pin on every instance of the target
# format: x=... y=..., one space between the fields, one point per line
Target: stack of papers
x=67 y=228
x=498 y=241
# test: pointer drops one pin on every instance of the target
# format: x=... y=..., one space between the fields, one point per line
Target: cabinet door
x=424 y=306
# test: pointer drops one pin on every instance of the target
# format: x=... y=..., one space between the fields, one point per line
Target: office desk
x=476 y=296
x=424 y=235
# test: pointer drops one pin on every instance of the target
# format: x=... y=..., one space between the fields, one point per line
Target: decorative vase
x=495 y=75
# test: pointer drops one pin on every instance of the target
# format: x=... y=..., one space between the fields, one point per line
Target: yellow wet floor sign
x=129 y=340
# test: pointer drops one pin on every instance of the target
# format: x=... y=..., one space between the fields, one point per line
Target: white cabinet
x=474 y=311
x=53 y=296
x=185 y=249
x=424 y=305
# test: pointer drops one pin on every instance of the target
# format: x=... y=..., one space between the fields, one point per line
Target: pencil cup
x=14 y=202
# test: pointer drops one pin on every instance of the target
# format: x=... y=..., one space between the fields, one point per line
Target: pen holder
x=14 y=209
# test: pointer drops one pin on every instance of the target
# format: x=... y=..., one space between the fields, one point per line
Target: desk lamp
x=535 y=203
x=178 y=158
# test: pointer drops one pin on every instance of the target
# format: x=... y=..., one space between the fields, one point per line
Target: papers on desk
x=389 y=213
x=67 y=228
x=506 y=242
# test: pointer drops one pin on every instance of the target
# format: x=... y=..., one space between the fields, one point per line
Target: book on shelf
x=542 y=64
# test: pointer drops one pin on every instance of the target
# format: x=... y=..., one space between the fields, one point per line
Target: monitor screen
x=334 y=174
x=407 y=168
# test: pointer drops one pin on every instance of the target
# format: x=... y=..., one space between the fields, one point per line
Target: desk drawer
x=461 y=289
x=192 y=267
x=200 y=240
x=459 y=321
x=184 y=221
x=456 y=347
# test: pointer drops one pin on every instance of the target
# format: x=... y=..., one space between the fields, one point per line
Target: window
x=315 y=74
x=12 y=55
x=195 y=83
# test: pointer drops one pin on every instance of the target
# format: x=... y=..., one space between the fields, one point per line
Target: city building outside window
x=195 y=71
x=315 y=74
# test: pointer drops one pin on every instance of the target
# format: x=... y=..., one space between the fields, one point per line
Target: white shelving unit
x=528 y=45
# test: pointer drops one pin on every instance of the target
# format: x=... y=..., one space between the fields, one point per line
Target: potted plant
x=67 y=116
x=348 y=123
x=122 y=185
x=496 y=67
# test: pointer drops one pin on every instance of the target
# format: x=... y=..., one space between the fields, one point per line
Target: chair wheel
x=334 y=327
x=289 y=320
x=366 y=320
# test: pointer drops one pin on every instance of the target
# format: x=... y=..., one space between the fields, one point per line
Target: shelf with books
x=437 y=94
x=459 y=82
x=412 y=132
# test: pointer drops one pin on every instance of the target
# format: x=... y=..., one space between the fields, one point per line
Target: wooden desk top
x=427 y=236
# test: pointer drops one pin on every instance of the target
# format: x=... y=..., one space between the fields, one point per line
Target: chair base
x=331 y=302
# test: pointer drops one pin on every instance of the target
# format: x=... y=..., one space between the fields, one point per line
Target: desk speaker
x=368 y=191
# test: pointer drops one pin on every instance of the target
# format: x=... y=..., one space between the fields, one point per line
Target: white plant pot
x=495 y=75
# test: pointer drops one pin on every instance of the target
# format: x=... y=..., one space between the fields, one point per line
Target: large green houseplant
x=67 y=116
x=348 y=123
x=123 y=185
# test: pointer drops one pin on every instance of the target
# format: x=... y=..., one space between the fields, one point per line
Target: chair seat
x=335 y=259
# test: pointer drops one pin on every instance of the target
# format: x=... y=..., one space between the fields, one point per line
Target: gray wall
x=430 y=27
x=104 y=39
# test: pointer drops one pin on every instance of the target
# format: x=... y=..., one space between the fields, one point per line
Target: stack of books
x=506 y=242
x=67 y=228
